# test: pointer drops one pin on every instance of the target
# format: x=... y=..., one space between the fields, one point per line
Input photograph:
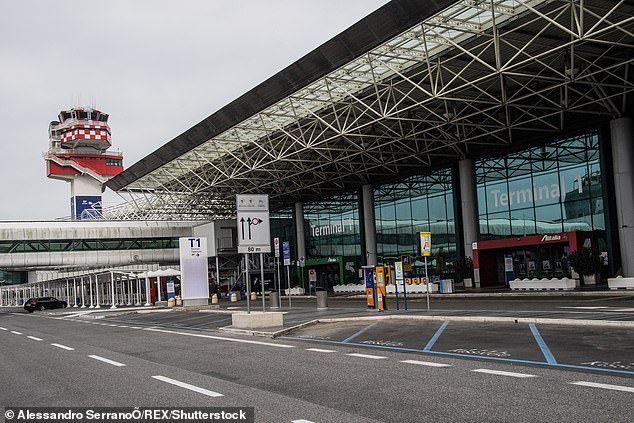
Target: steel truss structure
x=476 y=78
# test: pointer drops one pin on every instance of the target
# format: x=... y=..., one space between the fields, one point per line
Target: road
x=53 y=361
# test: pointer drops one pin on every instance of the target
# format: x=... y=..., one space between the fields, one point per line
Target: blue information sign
x=286 y=253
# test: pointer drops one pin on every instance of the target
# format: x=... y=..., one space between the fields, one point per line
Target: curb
x=488 y=319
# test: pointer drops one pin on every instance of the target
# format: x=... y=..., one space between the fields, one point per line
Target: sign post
x=254 y=233
x=425 y=248
x=398 y=273
x=276 y=245
x=286 y=255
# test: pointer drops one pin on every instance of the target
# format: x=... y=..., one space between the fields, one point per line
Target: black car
x=42 y=303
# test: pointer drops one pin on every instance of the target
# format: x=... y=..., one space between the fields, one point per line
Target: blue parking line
x=351 y=337
x=550 y=358
x=481 y=357
x=433 y=340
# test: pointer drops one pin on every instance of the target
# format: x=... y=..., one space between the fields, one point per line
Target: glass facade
x=332 y=227
x=418 y=203
x=548 y=189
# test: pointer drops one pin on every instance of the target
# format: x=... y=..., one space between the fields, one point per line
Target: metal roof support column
x=623 y=169
x=299 y=231
x=468 y=201
x=67 y=293
x=369 y=225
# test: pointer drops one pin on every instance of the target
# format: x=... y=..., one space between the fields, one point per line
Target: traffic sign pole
x=427 y=282
x=246 y=268
x=262 y=281
x=288 y=276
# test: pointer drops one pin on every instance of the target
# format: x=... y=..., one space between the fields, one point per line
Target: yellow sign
x=425 y=244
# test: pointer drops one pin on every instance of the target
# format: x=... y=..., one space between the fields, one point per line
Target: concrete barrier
x=564 y=284
x=257 y=320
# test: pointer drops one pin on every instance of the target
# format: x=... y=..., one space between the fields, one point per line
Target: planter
x=621 y=283
x=591 y=279
x=564 y=284
x=468 y=283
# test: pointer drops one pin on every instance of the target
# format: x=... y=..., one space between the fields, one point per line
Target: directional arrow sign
x=254 y=233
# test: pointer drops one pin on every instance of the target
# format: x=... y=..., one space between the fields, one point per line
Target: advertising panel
x=286 y=253
x=86 y=206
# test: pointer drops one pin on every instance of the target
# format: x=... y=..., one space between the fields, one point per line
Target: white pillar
x=112 y=287
x=138 y=292
x=623 y=171
x=83 y=299
x=97 y=291
x=469 y=201
x=74 y=292
x=92 y=305
x=369 y=224
x=147 y=290
x=127 y=277
x=67 y=293
x=158 y=288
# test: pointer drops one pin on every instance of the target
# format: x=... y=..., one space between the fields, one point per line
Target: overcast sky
x=157 y=67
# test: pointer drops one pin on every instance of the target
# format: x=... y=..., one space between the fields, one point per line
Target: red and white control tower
x=78 y=154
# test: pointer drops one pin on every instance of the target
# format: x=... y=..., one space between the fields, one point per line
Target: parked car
x=42 y=303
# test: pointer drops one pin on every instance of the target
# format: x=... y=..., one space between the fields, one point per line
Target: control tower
x=78 y=153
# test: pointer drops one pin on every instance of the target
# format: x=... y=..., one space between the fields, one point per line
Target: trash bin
x=322 y=300
x=446 y=286
x=274 y=298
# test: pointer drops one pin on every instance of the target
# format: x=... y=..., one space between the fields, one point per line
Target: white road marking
x=1 y=328
x=425 y=363
x=585 y=307
x=134 y=327
x=188 y=386
x=123 y=326
x=320 y=350
x=374 y=357
x=64 y=347
x=112 y=326
x=302 y=421
x=221 y=338
x=605 y=386
x=34 y=338
x=105 y=360
x=502 y=373
x=16 y=332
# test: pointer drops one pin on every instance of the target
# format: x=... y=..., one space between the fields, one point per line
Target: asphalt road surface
x=53 y=361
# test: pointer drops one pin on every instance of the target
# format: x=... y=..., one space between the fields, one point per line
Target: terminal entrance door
x=328 y=276
x=544 y=261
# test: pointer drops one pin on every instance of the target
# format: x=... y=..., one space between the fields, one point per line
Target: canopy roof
x=414 y=86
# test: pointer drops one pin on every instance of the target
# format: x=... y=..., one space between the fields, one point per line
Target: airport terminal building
x=503 y=127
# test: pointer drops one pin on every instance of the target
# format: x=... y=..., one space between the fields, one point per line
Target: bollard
x=214 y=299
x=179 y=301
x=171 y=302
x=322 y=300
x=234 y=297
x=254 y=296
x=275 y=300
